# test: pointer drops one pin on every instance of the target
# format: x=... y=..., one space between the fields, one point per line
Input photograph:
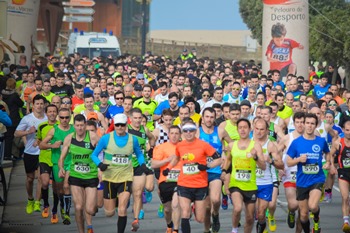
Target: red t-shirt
x=283 y=53
x=76 y=101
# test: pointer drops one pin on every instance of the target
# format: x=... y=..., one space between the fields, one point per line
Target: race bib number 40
x=82 y=168
x=243 y=175
x=120 y=160
x=311 y=169
x=190 y=169
x=173 y=176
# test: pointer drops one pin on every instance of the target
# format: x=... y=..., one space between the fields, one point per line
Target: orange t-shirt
x=162 y=152
x=191 y=153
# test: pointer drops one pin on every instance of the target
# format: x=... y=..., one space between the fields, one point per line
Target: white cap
x=120 y=118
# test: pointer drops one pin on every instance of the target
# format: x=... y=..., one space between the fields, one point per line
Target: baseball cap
x=185 y=50
x=92 y=115
x=104 y=94
x=120 y=118
x=140 y=76
x=245 y=103
x=138 y=87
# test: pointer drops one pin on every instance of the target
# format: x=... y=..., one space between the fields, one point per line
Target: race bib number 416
x=120 y=160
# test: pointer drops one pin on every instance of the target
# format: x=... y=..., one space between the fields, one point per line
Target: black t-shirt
x=21 y=70
x=65 y=90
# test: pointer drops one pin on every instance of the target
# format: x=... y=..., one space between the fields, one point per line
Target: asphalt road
x=15 y=220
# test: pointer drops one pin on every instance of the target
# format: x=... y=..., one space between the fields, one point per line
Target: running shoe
x=45 y=213
x=90 y=230
x=62 y=213
x=37 y=206
x=66 y=219
x=30 y=207
x=148 y=196
x=272 y=223
x=135 y=225
x=215 y=227
x=224 y=204
x=346 y=227
x=54 y=218
x=316 y=228
x=169 y=230
x=142 y=214
x=144 y=200
x=291 y=219
x=161 y=211
x=265 y=231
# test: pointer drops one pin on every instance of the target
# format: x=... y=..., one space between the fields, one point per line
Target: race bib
x=173 y=176
x=120 y=160
x=209 y=160
x=243 y=175
x=293 y=176
x=259 y=172
x=82 y=168
x=149 y=118
x=281 y=54
x=190 y=169
x=346 y=163
x=311 y=169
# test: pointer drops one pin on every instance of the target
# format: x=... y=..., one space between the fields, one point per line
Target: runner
x=27 y=129
x=306 y=152
x=45 y=162
x=243 y=155
x=83 y=178
x=214 y=136
x=192 y=185
x=117 y=168
x=54 y=140
x=163 y=154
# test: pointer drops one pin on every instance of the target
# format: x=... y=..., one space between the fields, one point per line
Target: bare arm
x=276 y=155
x=64 y=150
x=45 y=144
x=151 y=139
x=258 y=154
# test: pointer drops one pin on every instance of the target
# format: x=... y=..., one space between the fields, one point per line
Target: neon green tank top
x=120 y=160
x=243 y=169
x=82 y=166
x=232 y=131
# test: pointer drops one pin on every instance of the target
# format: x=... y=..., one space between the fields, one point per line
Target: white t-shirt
x=26 y=123
x=160 y=98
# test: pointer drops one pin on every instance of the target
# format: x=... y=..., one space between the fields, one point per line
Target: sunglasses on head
x=119 y=125
x=64 y=117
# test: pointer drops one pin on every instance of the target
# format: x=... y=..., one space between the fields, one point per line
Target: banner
x=22 y=20
x=285 y=40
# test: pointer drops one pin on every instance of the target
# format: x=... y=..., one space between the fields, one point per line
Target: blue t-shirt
x=114 y=110
x=259 y=89
x=165 y=105
x=279 y=83
x=296 y=94
x=336 y=128
x=310 y=172
x=87 y=90
x=320 y=91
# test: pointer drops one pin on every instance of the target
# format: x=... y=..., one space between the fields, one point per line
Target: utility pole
x=144 y=27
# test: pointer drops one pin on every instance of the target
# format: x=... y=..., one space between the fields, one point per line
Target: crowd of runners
x=108 y=133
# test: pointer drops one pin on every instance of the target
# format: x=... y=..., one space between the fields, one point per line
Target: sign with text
x=285 y=38
x=71 y=19
x=79 y=11
x=79 y=3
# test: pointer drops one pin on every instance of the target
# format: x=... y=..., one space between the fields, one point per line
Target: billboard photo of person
x=279 y=51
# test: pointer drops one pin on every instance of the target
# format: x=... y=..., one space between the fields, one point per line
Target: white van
x=93 y=44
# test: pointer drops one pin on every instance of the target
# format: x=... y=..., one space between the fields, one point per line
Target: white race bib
x=120 y=160
x=311 y=169
x=293 y=176
x=346 y=163
x=259 y=172
x=173 y=175
x=243 y=175
x=190 y=169
x=82 y=168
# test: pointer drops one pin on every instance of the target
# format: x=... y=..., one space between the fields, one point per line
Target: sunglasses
x=64 y=117
x=104 y=96
x=189 y=130
x=236 y=89
x=332 y=104
x=141 y=79
x=119 y=98
x=119 y=125
x=66 y=102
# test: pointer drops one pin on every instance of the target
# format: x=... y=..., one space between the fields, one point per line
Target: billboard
x=22 y=19
x=285 y=38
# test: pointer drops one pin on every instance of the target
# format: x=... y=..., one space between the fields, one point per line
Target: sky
x=195 y=15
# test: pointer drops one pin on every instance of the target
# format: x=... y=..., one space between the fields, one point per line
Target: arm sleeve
x=102 y=144
x=138 y=152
